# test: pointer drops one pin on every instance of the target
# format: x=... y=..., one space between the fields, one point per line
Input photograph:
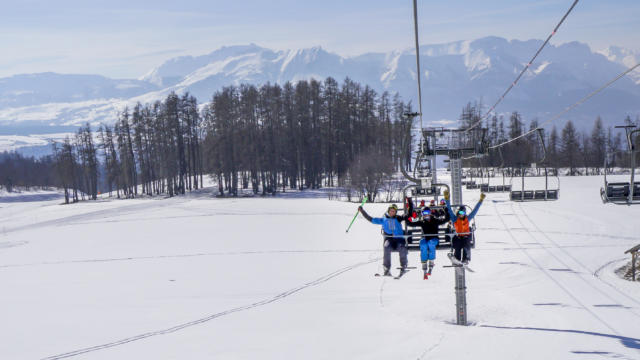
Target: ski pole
x=357 y=212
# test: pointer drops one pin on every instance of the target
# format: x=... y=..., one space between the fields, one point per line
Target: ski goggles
x=462 y=213
x=426 y=213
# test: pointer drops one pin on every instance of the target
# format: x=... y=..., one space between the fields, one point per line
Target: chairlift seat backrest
x=507 y=188
x=552 y=194
x=529 y=195
x=516 y=195
x=540 y=195
x=484 y=188
x=618 y=190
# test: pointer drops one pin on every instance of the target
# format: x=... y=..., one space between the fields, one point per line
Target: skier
x=461 y=222
x=393 y=236
x=429 y=224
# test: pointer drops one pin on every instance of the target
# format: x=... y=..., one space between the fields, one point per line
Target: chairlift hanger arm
x=630 y=137
x=540 y=133
x=501 y=158
x=419 y=74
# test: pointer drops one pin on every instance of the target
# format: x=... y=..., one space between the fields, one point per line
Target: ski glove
x=482 y=196
x=446 y=194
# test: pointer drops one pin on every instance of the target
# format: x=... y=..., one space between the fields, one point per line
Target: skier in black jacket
x=429 y=224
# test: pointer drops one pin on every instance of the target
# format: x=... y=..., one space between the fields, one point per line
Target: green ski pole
x=357 y=212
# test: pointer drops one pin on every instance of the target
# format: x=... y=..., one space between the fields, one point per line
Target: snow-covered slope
x=453 y=74
x=196 y=277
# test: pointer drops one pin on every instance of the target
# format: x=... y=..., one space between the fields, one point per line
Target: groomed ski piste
x=197 y=277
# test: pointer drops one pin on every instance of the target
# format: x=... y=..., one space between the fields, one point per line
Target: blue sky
x=125 y=39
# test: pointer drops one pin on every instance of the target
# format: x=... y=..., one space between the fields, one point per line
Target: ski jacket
x=391 y=226
x=462 y=224
x=431 y=226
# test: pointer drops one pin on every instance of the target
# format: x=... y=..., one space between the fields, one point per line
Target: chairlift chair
x=623 y=193
x=445 y=233
x=545 y=194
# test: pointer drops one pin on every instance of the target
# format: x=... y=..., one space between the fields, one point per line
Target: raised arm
x=364 y=213
x=477 y=207
x=377 y=221
x=452 y=216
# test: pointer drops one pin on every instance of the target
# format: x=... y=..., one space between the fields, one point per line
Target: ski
x=378 y=274
x=401 y=274
x=457 y=262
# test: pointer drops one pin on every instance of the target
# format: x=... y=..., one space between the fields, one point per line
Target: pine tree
x=598 y=145
x=570 y=148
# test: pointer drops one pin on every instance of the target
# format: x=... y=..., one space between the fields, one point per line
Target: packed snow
x=198 y=277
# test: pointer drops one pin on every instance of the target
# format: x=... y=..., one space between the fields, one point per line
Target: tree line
x=581 y=152
x=272 y=138
x=306 y=135
x=17 y=171
x=303 y=136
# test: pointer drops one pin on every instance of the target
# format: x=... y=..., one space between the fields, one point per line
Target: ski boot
x=386 y=272
x=426 y=270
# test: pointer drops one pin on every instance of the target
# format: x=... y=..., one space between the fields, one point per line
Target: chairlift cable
x=567 y=109
x=419 y=74
x=513 y=84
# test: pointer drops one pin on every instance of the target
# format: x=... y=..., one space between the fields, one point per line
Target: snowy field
x=197 y=277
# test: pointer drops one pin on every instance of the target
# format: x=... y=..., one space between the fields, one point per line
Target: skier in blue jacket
x=393 y=235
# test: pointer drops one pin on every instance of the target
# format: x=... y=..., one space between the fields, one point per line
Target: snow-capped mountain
x=453 y=74
x=625 y=57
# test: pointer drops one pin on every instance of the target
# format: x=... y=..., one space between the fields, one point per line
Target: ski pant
x=427 y=250
x=391 y=244
x=459 y=243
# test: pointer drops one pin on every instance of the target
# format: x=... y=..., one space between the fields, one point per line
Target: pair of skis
x=458 y=263
x=401 y=274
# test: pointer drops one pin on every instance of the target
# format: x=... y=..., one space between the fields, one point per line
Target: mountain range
x=452 y=75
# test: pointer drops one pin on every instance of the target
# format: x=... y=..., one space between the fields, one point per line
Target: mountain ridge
x=453 y=74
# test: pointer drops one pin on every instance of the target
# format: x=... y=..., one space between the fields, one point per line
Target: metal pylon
x=455 y=162
x=461 y=296
x=456 y=180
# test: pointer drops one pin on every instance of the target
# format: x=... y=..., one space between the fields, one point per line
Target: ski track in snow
x=551 y=277
x=632 y=239
x=225 y=213
x=230 y=253
x=173 y=329
x=432 y=347
x=568 y=254
x=118 y=211
x=605 y=265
